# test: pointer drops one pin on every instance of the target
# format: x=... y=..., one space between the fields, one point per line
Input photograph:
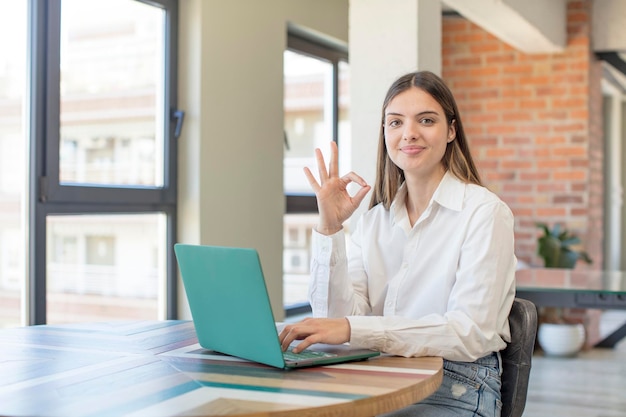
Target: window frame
x=47 y=195
x=301 y=42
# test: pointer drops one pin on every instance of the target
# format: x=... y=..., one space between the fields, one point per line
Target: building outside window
x=13 y=174
x=316 y=107
x=102 y=181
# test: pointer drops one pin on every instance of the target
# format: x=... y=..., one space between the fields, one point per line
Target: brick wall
x=534 y=124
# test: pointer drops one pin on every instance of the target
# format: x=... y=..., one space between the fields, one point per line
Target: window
x=100 y=114
x=316 y=78
x=13 y=38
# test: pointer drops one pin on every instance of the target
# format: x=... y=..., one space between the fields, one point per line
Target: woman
x=431 y=265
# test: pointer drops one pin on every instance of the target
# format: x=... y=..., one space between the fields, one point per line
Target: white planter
x=561 y=339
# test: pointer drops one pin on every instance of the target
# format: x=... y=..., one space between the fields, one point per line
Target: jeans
x=468 y=389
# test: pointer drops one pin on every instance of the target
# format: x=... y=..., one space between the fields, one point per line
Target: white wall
x=231 y=147
x=609 y=25
x=531 y=26
x=385 y=43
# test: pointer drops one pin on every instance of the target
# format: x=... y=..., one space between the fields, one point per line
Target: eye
x=393 y=123
x=427 y=121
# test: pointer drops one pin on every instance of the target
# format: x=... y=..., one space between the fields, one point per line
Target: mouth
x=411 y=150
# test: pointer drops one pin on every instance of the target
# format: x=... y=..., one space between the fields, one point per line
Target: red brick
x=484 y=71
x=484 y=94
x=500 y=105
x=552 y=164
x=493 y=176
x=560 y=199
x=569 y=127
x=537 y=104
x=550 y=140
x=535 y=176
x=569 y=102
x=500 y=152
x=551 y=187
x=582 y=114
x=570 y=151
x=501 y=129
x=570 y=175
x=523 y=140
x=550 y=211
x=519 y=165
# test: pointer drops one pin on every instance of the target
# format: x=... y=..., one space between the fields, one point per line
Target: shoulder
x=463 y=196
x=478 y=197
x=376 y=213
x=479 y=193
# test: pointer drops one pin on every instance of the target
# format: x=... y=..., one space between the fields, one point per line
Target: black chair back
x=517 y=357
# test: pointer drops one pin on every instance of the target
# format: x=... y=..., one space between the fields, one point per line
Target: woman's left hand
x=315 y=330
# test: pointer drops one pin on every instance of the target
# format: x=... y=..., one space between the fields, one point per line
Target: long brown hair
x=457 y=159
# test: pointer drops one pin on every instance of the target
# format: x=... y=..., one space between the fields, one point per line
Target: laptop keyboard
x=306 y=354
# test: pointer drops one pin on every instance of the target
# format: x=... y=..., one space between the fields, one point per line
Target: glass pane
x=105 y=267
x=296 y=256
x=308 y=116
x=13 y=25
x=344 y=141
x=111 y=121
x=296 y=242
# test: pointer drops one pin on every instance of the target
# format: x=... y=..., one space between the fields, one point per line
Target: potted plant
x=555 y=247
x=557 y=336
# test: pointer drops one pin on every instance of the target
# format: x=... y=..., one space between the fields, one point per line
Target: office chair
x=517 y=357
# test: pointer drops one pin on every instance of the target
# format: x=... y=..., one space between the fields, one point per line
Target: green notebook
x=231 y=309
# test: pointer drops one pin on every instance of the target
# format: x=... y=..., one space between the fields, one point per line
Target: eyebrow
x=418 y=114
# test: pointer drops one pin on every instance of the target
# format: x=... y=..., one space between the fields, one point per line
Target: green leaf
x=569 y=241
x=568 y=259
x=549 y=249
x=554 y=247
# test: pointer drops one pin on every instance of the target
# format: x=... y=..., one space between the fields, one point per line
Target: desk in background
x=156 y=368
x=551 y=287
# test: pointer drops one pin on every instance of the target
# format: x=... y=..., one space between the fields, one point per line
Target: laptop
x=231 y=309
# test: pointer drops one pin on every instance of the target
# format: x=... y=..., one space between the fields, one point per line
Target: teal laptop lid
x=231 y=310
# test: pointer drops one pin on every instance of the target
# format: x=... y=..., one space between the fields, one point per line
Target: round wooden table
x=156 y=368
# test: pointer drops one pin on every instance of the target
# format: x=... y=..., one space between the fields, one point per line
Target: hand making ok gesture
x=334 y=203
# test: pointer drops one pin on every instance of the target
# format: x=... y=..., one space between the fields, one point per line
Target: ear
x=452 y=131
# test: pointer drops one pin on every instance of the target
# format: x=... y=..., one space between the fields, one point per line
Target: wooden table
x=156 y=368
x=571 y=288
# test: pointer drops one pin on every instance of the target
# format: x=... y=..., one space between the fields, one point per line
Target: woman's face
x=417 y=133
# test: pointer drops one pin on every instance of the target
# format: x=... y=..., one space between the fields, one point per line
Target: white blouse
x=443 y=287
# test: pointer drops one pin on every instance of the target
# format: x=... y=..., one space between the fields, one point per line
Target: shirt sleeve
x=478 y=306
x=345 y=293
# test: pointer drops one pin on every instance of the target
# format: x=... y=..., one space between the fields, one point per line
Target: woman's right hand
x=334 y=203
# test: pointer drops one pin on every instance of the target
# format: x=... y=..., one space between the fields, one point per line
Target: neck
x=419 y=193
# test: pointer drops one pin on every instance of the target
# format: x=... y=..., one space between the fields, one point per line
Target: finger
x=315 y=186
x=298 y=331
x=292 y=333
x=305 y=343
x=283 y=334
x=301 y=346
x=285 y=339
x=360 y=195
x=321 y=165
x=354 y=177
x=333 y=166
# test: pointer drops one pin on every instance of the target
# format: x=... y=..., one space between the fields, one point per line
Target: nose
x=411 y=131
